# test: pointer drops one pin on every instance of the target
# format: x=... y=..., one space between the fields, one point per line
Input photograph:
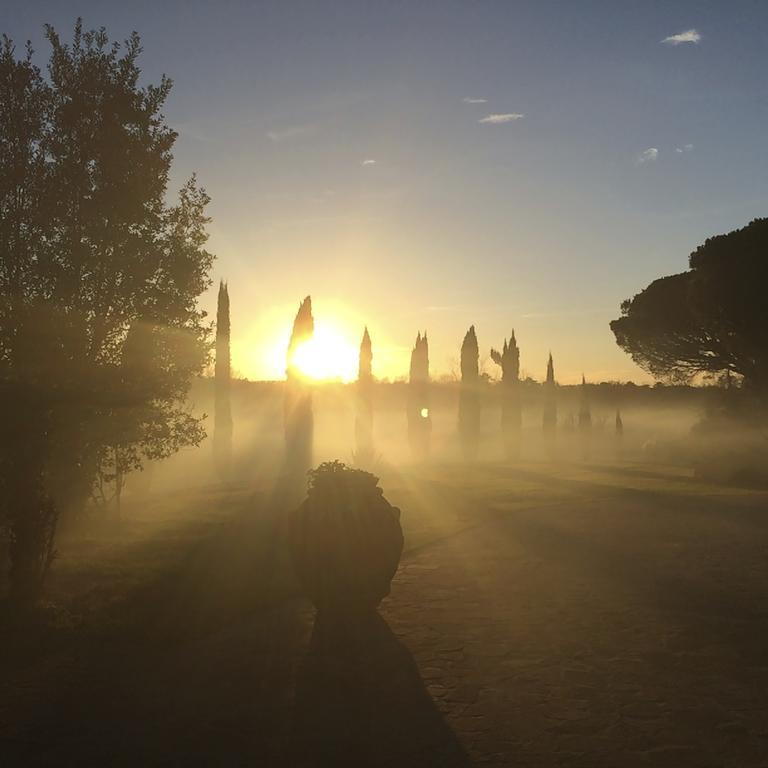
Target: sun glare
x=327 y=355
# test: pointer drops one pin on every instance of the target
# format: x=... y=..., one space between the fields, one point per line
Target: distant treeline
x=444 y=393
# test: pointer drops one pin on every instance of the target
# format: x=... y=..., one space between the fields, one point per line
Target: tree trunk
x=33 y=527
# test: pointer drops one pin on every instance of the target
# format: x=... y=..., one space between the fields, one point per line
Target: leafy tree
x=709 y=320
x=298 y=417
x=511 y=417
x=364 y=452
x=469 y=396
x=100 y=332
x=222 y=434
x=417 y=408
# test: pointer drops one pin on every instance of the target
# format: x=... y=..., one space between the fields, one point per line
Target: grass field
x=602 y=615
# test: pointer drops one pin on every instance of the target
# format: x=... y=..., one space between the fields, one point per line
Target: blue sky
x=543 y=222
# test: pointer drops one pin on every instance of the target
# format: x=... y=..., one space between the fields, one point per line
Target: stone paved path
x=614 y=630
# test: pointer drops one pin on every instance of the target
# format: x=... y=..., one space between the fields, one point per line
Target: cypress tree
x=222 y=413
x=469 y=396
x=303 y=330
x=417 y=408
x=297 y=410
x=585 y=420
x=550 y=403
x=365 y=365
x=364 y=452
x=619 y=435
x=511 y=416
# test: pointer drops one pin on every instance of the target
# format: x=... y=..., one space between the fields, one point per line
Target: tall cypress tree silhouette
x=417 y=408
x=469 y=396
x=364 y=452
x=619 y=435
x=222 y=407
x=297 y=408
x=550 y=405
x=511 y=416
x=585 y=420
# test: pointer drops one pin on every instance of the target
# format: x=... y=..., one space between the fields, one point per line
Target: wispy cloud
x=195 y=129
x=684 y=148
x=291 y=132
x=497 y=119
x=368 y=161
x=648 y=155
x=689 y=36
x=470 y=100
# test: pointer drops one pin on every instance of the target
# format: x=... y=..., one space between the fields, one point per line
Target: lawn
x=578 y=615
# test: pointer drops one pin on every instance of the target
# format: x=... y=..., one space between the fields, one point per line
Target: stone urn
x=345 y=540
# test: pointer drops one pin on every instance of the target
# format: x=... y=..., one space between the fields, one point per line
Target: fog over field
x=658 y=425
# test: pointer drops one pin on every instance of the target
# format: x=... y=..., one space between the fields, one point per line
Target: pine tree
x=222 y=414
x=364 y=451
x=297 y=411
x=417 y=409
x=550 y=404
x=469 y=396
x=511 y=416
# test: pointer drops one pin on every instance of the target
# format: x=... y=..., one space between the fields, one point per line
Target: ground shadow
x=194 y=667
x=360 y=701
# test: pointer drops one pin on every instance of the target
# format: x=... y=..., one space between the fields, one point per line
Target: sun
x=328 y=355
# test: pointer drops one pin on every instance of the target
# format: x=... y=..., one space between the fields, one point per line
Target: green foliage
x=417 y=408
x=469 y=396
x=585 y=411
x=419 y=370
x=297 y=408
x=470 y=357
x=508 y=360
x=550 y=380
x=303 y=328
x=511 y=416
x=364 y=451
x=99 y=275
x=222 y=434
x=332 y=479
x=365 y=372
x=708 y=320
x=549 y=419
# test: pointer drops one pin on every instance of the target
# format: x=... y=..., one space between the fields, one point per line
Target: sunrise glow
x=328 y=355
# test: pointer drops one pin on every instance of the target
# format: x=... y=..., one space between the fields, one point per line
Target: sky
x=442 y=163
